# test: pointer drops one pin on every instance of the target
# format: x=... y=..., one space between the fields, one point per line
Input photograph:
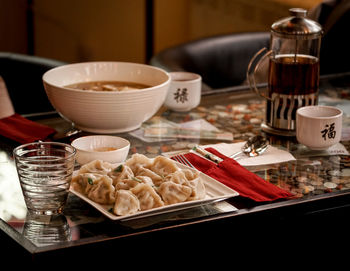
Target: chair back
x=221 y=60
x=23 y=78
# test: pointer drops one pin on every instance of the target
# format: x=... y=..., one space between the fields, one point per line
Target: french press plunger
x=293 y=75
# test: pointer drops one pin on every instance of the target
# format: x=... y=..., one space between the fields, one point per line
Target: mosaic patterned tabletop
x=313 y=173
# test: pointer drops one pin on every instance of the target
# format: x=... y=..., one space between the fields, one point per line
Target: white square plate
x=215 y=191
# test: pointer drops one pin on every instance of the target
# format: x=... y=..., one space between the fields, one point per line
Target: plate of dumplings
x=143 y=186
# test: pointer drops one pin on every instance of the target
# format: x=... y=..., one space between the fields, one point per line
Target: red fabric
x=232 y=174
x=23 y=130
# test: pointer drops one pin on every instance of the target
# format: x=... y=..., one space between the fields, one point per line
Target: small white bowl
x=112 y=149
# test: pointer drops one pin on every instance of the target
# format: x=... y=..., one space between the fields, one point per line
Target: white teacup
x=184 y=92
x=319 y=127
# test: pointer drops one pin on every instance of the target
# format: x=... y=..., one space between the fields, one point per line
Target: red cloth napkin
x=232 y=174
x=23 y=130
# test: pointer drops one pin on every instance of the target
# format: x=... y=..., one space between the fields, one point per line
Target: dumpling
x=163 y=166
x=96 y=166
x=147 y=196
x=191 y=179
x=102 y=191
x=190 y=174
x=119 y=173
x=173 y=193
x=127 y=184
x=178 y=177
x=138 y=160
x=126 y=203
x=142 y=171
x=195 y=182
x=132 y=182
x=145 y=179
x=83 y=182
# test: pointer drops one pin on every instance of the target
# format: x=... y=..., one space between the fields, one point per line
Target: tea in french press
x=293 y=76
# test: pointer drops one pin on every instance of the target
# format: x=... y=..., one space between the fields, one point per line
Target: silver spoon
x=254 y=146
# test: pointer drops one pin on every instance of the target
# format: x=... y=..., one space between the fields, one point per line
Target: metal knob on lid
x=297 y=25
x=298 y=12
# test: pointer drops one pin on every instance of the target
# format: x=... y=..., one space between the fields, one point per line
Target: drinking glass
x=45 y=172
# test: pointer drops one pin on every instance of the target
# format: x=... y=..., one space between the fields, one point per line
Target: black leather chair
x=221 y=60
x=23 y=78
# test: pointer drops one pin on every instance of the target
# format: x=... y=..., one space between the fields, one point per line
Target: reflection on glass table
x=231 y=117
x=45 y=230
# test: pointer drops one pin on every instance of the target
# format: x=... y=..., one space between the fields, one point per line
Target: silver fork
x=182 y=160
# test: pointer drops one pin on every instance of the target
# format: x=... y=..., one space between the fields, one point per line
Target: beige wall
x=171 y=21
x=82 y=30
x=178 y=21
x=88 y=30
x=13 y=28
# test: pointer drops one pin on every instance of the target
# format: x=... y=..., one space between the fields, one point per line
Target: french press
x=293 y=70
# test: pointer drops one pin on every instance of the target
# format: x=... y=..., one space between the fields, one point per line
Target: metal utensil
x=68 y=136
x=183 y=160
x=254 y=146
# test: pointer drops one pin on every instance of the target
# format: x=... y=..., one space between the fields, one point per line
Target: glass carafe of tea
x=293 y=70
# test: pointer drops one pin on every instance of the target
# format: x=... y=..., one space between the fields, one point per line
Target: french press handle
x=252 y=70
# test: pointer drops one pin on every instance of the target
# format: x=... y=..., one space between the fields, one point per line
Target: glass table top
x=313 y=175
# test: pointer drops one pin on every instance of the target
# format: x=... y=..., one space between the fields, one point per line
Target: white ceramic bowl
x=101 y=111
x=107 y=148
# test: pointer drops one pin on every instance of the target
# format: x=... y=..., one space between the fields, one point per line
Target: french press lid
x=297 y=26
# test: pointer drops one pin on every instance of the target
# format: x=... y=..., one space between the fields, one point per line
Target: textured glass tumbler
x=45 y=172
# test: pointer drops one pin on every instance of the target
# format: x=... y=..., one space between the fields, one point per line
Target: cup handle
x=251 y=75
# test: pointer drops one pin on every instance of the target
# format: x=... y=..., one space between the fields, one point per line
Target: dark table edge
x=271 y=211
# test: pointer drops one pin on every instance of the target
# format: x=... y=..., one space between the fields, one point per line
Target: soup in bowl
x=106 y=97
